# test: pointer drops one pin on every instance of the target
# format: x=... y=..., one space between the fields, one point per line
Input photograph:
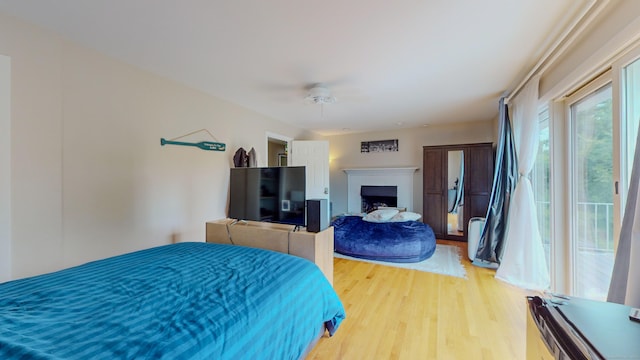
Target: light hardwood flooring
x=395 y=313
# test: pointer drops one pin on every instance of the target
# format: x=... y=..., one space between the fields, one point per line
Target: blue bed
x=402 y=242
x=182 y=301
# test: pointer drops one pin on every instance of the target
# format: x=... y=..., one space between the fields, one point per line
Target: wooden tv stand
x=315 y=247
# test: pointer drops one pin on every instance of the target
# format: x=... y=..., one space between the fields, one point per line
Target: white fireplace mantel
x=381 y=171
x=402 y=177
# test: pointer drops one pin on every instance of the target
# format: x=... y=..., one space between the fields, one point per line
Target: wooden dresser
x=315 y=247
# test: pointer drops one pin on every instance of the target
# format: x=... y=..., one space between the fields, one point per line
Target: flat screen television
x=271 y=194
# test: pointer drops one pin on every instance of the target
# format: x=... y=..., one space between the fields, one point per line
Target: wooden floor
x=395 y=313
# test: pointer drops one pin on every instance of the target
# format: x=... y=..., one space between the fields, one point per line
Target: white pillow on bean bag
x=383 y=215
x=405 y=216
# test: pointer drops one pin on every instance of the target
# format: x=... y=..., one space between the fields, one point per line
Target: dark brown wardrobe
x=457 y=181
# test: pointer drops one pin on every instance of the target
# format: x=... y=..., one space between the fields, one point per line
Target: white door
x=315 y=156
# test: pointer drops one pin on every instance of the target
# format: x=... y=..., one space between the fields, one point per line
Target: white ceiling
x=401 y=63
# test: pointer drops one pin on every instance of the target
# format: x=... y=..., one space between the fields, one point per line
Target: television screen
x=271 y=194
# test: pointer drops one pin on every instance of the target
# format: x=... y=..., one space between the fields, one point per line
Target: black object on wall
x=317 y=215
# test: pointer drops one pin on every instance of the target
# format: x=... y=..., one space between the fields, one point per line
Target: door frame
x=271 y=135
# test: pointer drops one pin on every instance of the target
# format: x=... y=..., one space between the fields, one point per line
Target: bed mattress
x=182 y=301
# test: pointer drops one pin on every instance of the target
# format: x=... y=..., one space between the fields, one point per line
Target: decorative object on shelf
x=243 y=158
x=379 y=146
x=252 y=160
x=204 y=145
x=240 y=158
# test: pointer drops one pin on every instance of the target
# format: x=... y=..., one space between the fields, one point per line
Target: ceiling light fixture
x=320 y=95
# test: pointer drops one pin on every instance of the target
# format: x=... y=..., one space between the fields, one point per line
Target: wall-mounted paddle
x=204 y=145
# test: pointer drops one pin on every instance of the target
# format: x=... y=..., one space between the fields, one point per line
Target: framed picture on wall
x=379 y=146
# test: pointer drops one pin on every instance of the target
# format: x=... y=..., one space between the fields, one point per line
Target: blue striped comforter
x=182 y=301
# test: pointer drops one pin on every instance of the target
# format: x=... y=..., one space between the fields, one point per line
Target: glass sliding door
x=594 y=129
x=592 y=242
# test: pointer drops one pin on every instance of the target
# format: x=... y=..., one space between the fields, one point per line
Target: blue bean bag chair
x=402 y=242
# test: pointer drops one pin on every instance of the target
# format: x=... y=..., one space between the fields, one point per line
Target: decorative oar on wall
x=204 y=145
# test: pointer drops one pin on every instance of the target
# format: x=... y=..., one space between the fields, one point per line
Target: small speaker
x=317 y=215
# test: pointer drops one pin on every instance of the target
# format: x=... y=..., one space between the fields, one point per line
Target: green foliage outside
x=594 y=175
x=594 y=154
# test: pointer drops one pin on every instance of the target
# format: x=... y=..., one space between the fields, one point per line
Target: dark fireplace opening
x=374 y=197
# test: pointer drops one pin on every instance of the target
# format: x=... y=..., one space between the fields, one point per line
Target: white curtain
x=625 y=287
x=523 y=261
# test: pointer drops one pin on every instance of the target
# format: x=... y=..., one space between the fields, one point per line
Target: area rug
x=445 y=261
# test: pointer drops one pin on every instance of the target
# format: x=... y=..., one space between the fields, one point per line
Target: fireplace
x=399 y=178
x=374 y=197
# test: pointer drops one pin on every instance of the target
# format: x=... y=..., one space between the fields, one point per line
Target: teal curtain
x=491 y=243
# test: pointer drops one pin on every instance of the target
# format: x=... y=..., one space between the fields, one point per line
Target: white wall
x=89 y=178
x=5 y=168
x=345 y=153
